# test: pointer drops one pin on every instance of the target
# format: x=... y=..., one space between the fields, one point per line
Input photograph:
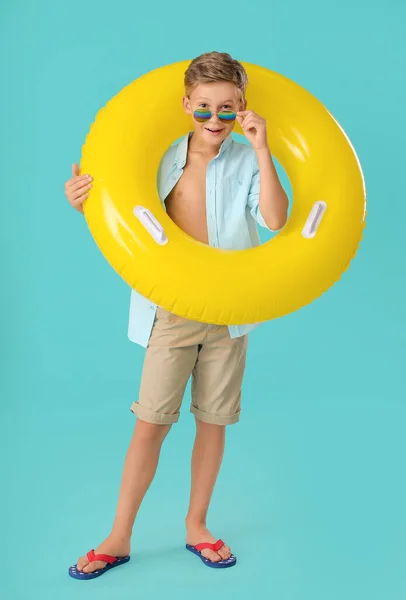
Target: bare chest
x=186 y=204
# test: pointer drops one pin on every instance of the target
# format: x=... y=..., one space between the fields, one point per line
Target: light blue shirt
x=232 y=208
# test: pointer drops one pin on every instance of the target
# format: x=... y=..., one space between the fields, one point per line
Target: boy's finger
x=79 y=201
x=81 y=178
x=80 y=190
x=76 y=182
x=249 y=122
x=242 y=113
x=75 y=170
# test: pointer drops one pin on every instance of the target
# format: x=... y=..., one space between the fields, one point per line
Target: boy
x=213 y=188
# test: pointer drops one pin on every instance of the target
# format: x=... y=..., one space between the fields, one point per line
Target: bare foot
x=109 y=546
x=197 y=534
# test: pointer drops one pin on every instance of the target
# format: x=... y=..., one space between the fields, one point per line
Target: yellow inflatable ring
x=123 y=151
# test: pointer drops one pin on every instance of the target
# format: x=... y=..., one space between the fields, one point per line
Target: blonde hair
x=212 y=67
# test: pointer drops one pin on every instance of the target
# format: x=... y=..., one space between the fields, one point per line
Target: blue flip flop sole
x=73 y=571
x=221 y=564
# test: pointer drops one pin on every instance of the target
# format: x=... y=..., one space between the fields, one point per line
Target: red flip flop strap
x=92 y=557
x=219 y=544
x=206 y=546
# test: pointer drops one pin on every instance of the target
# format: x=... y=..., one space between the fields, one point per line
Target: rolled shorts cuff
x=215 y=419
x=150 y=416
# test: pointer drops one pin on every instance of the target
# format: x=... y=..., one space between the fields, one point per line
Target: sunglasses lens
x=227 y=116
x=202 y=115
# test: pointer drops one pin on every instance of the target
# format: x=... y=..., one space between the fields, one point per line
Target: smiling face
x=214 y=97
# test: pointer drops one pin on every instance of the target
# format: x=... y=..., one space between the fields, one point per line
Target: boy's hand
x=254 y=128
x=77 y=188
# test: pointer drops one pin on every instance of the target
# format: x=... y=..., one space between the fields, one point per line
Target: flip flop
x=221 y=564
x=112 y=561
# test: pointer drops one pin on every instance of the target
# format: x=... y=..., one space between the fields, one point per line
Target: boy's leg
x=142 y=460
x=139 y=470
x=217 y=380
x=206 y=461
x=169 y=361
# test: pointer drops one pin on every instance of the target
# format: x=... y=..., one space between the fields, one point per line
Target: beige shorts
x=180 y=348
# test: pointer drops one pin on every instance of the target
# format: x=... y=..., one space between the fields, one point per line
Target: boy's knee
x=151 y=431
x=208 y=425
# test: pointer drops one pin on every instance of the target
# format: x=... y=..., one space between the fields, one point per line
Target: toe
x=211 y=555
x=225 y=552
x=82 y=562
x=94 y=566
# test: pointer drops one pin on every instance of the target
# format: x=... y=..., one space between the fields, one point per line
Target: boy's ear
x=244 y=104
x=186 y=105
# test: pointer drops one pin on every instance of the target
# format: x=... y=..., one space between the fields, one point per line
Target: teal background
x=312 y=492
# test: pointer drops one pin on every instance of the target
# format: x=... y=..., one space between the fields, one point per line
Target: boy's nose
x=214 y=118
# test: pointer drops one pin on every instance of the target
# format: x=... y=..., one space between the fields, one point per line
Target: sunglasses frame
x=210 y=113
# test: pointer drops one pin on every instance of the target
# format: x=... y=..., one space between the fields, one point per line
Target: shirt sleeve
x=161 y=178
x=253 y=196
x=164 y=171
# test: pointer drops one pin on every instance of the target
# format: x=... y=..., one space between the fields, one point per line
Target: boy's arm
x=267 y=199
x=273 y=201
